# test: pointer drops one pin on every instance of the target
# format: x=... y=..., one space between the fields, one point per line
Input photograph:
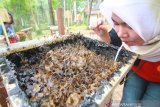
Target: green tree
x=51 y=12
x=18 y=9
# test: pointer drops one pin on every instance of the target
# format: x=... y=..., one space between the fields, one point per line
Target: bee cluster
x=61 y=74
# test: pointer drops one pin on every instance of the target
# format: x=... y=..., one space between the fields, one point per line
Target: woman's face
x=10 y=19
x=125 y=32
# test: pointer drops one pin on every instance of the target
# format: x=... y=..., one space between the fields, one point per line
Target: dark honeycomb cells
x=61 y=73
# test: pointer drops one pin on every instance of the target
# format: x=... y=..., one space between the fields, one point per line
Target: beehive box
x=74 y=71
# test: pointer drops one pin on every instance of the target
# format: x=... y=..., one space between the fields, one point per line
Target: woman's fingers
x=101 y=30
x=96 y=23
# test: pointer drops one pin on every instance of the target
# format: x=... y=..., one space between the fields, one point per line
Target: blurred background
x=38 y=18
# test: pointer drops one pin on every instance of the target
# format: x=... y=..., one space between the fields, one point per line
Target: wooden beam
x=4 y=18
x=60 y=19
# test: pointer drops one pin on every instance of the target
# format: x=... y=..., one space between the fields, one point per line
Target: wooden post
x=60 y=19
x=4 y=17
x=5 y=33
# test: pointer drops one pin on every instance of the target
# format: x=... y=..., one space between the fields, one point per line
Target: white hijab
x=143 y=16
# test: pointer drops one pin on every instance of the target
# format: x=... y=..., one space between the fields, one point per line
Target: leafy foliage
x=36 y=14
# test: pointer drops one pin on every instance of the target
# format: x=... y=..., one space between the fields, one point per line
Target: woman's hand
x=100 y=28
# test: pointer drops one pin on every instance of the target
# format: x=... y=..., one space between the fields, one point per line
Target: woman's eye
x=115 y=23
x=128 y=26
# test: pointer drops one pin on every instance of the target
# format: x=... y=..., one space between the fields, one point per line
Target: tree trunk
x=71 y=20
x=22 y=22
x=51 y=12
x=75 y=10
x=34 y=20
x=90 y=9
x=64 y=11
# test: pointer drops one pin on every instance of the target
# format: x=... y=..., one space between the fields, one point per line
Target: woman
x=10 y=29
x=137 y=23
x=1 y=31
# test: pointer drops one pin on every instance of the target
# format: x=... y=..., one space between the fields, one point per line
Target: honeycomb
x=62 y=73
